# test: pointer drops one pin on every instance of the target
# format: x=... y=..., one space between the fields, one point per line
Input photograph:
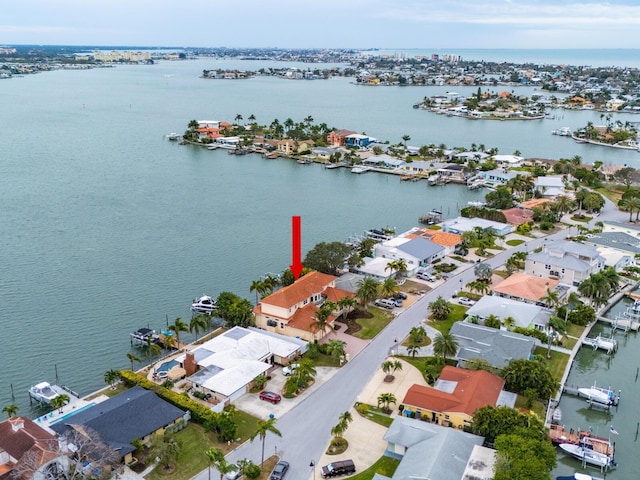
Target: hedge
x=199 y=413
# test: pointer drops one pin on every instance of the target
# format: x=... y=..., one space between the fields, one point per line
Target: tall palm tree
x=386 y=399
x=346 y=304
x=413 y=349
x=389 y=287
x=257 y=286
x=60 y=401
x=320 y=323
x=445 y=345
x=335 y=348
x=367 y=290
x=551 y=298
x=132 y=358
x=440 y=308
x=111 y=377
x=198 y=324
x=152 y=348
x=11 y=410
x=177 y=327
x=264 y=427
x=215 y=458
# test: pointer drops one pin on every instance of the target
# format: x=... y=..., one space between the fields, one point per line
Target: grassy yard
x=372 y=326
x=538 y=406
x=443 y=326
x=322 y=360
x=556 y=364
x=515 y=242
x=384 y=466
x=375 y=414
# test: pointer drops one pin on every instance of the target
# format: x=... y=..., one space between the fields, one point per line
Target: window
x=282 y=325
x=272 y=323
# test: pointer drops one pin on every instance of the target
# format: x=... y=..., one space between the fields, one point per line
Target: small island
x=612 y=134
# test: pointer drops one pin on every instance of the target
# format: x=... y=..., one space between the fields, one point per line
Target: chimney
x=190 y=364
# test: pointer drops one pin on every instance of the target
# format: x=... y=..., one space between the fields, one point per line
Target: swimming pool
x=166 y=366
x=71 y=413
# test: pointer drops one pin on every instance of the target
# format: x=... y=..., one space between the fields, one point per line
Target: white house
x=549 y=186
x=460 y=225
x=508 y=160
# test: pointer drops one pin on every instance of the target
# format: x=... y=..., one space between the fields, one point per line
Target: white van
x=385 y=303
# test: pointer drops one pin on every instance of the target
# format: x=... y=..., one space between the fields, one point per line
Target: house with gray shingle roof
x=621 y=241
x=416 y=252
x=135 y=414
x=569 y=262
x=624 y=227
x=428 y=451
x=525 y=315
x=497 y=347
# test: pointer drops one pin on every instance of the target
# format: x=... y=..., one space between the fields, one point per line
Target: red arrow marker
x=296 y=252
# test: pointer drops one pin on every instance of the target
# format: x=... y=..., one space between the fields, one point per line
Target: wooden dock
x=621 y=323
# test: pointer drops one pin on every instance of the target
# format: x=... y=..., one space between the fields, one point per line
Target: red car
x=270 y=397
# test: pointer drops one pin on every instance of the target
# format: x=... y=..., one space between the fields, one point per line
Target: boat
x=557 y=415
x=599 y=395
x=559 y=435
x=44 y=392
x=359 y=169
x=578 y=476
x=144 y=336
x=588 y=456
x=173 y=136
x=563 y=132
x=304 y=161
x=204 y=304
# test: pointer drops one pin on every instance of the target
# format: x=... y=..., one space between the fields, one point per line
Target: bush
x=252 y=471
x=546 y=226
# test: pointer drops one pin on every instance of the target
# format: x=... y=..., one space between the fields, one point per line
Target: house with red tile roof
x=454 y=398
x=291 y=311
x=337 y=137
x=518 y=216
x=25 y=445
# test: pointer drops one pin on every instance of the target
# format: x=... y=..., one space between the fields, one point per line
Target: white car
x=466 y=301
x=289 y=369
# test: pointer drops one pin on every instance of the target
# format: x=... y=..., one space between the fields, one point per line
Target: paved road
x=306 y=427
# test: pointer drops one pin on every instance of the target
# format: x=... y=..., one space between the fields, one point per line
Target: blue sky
x=382 y=24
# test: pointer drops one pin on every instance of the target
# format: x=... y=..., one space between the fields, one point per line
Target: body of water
x=105 y=226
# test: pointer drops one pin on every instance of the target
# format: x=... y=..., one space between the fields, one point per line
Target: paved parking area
x=251 y=403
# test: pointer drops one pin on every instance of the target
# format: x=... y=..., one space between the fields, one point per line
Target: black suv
x=343 y=467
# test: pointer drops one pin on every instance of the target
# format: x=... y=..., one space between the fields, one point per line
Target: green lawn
x=586 y=219
x=384 y=466
x=443 y=326
x=376 y=415
x=424 y=343
x=538 y=406
x=372 y=326
x=515 y=242
x=557 y=364
x=322 y=360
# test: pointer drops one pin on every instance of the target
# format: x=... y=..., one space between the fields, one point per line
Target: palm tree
x=111 y=377
x=60 y=401
x=11 y=410
x=198 y=324
x=551 y=299
x=445 y=345
x=152 y=348
x=132 y=358
x=257 y=286
x=440 y=308
x=177 y=327
x=367 y=290
x=386 y=399
x=238 y=118
x=335 y=348
x=413 y=349
x=389 y=287
x=321 y=316
x=264 y=427
x=346 y=304
x=417 y=334
x=397 y=267
x=215 y=457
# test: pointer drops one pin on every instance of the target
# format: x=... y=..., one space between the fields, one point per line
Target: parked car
x=279 y=470
x=272 y=397
x=466 y=301
x=385 y=303
x=343 y=467
x=396 y=301
x=289 y=369
x=233 y=475
x=426 y=276
x=400 y=295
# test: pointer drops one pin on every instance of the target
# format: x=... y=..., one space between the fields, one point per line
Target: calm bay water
x=106 y=227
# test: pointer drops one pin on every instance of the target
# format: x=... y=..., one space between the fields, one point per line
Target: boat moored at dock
x=588 y=456
x=595 y=394
x=144 y=336
x=204 y=304
x=44 y=392
x=578 y=476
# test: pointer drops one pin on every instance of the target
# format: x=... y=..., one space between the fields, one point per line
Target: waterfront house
x=620 y=241
x=496 y=346
x=445 y=239
x=466 y=156
x=226 y=365
x=385 y=161
x=430 y=451
x=133 y=415
x=498 y=176
x=517 y=216
x=337 y=138
x=526 y=288
x=549 y=186
x=416 y=252
x=453 y=172
x=615 y=258
x=523 y=315
x=569 y=262
x=291 y=310
x=356 y=140
x=506 y=161
x=456 y=395
x=25 y=448
x=460 y=225
x=289 y=147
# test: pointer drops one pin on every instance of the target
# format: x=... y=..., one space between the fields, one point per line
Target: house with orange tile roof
x=527 y=288
x=534 y=203
x=337 y=137
x=445 y=239
x=291 y=311
x=454 y=398
x=518 y=216
x=25 y=445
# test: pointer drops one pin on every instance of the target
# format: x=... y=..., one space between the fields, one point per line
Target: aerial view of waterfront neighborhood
x=445 y=351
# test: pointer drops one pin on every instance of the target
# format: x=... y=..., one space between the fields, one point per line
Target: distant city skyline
x=532 y=24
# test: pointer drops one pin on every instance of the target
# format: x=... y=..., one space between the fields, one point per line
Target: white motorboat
x=604 y=396
x=174 y=136
x=578 y=476
x=587 y=455
x=204 y=304
x=563 y=132
x=44 y=392
x=144 y=336
x=359 y=169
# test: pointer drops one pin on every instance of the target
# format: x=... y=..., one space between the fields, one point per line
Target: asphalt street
x=306 y=427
